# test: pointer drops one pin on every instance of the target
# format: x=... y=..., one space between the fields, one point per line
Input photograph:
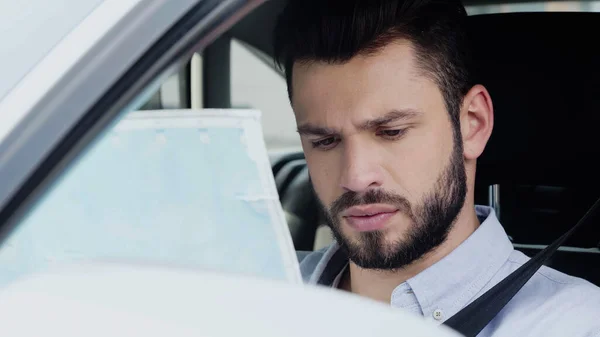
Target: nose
x=361 y=169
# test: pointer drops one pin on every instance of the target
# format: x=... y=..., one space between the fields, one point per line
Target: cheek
x=323 y=176
x=418 y=160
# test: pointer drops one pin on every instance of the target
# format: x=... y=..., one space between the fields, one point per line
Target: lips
x=369 y=217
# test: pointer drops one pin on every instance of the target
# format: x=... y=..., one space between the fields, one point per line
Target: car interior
x=538 y=170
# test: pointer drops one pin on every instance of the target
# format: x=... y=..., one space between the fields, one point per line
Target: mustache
x=350 y=199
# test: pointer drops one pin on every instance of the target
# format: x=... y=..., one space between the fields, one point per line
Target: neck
x=379 y=285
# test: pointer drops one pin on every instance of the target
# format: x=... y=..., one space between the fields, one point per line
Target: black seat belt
x=474 y=317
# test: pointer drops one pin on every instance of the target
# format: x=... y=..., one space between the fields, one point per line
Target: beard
x=431 y=220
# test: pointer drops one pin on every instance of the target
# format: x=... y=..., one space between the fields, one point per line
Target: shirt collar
x=455 y=280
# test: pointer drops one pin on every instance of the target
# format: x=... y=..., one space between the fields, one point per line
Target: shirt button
x=438 y=314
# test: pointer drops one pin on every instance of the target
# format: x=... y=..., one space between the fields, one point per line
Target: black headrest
x=543 y=73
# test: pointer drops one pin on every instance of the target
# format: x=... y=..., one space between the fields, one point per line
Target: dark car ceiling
x=257 y=27
x=500 y=2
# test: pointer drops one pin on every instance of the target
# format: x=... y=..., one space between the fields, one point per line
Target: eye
x=391 y=134
x=325 y=143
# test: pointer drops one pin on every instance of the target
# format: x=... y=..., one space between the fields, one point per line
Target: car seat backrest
x=287 y=173
x=299 y=202
x=542 y=72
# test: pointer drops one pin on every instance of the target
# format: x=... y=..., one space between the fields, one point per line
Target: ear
x=476 y=121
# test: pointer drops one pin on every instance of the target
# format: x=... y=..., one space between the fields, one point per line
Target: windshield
x=29 y=29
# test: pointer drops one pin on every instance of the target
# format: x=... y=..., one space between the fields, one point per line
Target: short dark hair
x=335 y=31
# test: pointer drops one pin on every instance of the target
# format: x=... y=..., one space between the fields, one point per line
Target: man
x=391 y=126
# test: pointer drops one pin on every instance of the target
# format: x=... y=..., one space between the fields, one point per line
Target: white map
x=177 y=187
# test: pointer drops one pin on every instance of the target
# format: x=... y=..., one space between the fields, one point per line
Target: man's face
x=384 y=158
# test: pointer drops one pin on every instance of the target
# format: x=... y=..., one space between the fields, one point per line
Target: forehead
x=380 y=80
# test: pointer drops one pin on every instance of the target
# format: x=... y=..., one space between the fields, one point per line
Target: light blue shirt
x=550 y=304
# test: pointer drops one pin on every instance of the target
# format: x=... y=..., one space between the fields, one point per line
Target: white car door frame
x=125 y=48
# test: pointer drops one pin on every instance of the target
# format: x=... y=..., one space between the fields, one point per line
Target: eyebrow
x=392 y=116
x=309 y=129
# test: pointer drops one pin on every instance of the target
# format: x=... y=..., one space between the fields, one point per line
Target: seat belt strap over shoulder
x=334 y=267
x=476 y=316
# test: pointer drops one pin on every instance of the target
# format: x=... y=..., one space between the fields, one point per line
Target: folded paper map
x=189 y=188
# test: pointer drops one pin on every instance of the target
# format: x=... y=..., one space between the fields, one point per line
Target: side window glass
x=256 y=84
